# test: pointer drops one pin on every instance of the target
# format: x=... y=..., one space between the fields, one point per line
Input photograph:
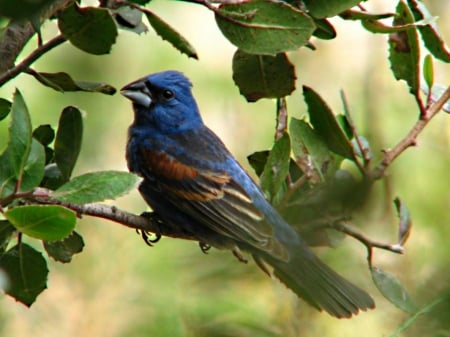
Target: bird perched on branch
x=191 y=180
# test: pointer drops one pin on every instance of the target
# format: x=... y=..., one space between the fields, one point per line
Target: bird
x=192 y=181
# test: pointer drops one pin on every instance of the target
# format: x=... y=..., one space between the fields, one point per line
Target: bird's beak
x=138 y=93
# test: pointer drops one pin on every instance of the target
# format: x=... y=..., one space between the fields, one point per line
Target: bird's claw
x=150 y=238
x=204 y=247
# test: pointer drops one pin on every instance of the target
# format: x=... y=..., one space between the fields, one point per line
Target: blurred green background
x=119 y=286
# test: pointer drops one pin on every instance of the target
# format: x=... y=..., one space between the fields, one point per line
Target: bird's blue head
x=164 y=101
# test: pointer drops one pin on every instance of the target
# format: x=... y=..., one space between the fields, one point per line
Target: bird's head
x=164 y=101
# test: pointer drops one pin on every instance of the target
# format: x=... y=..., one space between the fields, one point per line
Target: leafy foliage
x=319 y=164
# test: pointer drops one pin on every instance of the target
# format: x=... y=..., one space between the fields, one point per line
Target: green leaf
x=62 y=251
x=22 y=9
x=328 y=8
x=258 y=160
x=140 y=2
x=44 y=222
x=34 y=167
x=263 y=76
x=68 y=140
x=392 y=290
x=7 y=176
x=426 y=309
x=97 y=186
x=63 y=82
x=309 y=148
x=130 y=19
x=404 y=50
x=430 y=35
x=90 y=29
x=264 y=27
x=166 y=32
x=360 y=15
x=428 y=70
x=44 y=134
x=405 y=221
x=5 y=108
x=374 y=26
x=326 y=125
x=324 y=29
x=19 y=135
x=277 y=167
x=6 y=231
x=27 y=272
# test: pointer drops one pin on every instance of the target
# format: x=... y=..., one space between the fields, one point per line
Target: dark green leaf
x=405 y=221
x=34 y=167
x=277 y=167
x=130 y=19
x=68 y=140
x=264 y=27
x=53 y=177
x=21 y=9
x=62 y=251
x=392 y=290
x=430 y=35
x=324 y=29
x=5 y=108
x=328 y=8
x=428 y=70
x=97 y=186
x=309 y=148
x=44 y=134
x=63 y=82
x=44 y=222
x=325 y=124
x=258 y=161
x=7 y=177
x=6 y=231
x=19 y=135
x=360 y=15
x=140 y=2
x=263 y=76
x=404 y=50
x=345 y=125
x=171 y=35
x=27 y=272
x=90 y=29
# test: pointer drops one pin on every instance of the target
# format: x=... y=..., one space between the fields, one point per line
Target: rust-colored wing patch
x=163 y=165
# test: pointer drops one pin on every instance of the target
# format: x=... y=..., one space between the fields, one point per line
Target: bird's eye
x=167 y=94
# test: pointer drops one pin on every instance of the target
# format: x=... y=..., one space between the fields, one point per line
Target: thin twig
x=37 y=53
x=410 y=138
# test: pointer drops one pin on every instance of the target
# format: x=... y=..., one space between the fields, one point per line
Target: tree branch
x=36 y=54
x=410 y=139
x=148 y=222
x=17 y=34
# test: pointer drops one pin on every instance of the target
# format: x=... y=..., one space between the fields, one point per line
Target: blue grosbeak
x=191 y=180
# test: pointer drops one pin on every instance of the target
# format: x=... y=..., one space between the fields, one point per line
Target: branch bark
x=17 y=34
x=410 y=139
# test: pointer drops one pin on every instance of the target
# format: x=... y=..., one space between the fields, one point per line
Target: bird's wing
x=214 y=199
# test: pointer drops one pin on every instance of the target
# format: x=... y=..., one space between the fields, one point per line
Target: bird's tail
x=318 y=284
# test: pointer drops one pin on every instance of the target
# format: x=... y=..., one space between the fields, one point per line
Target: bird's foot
x=151 y=238
x=204 y=247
